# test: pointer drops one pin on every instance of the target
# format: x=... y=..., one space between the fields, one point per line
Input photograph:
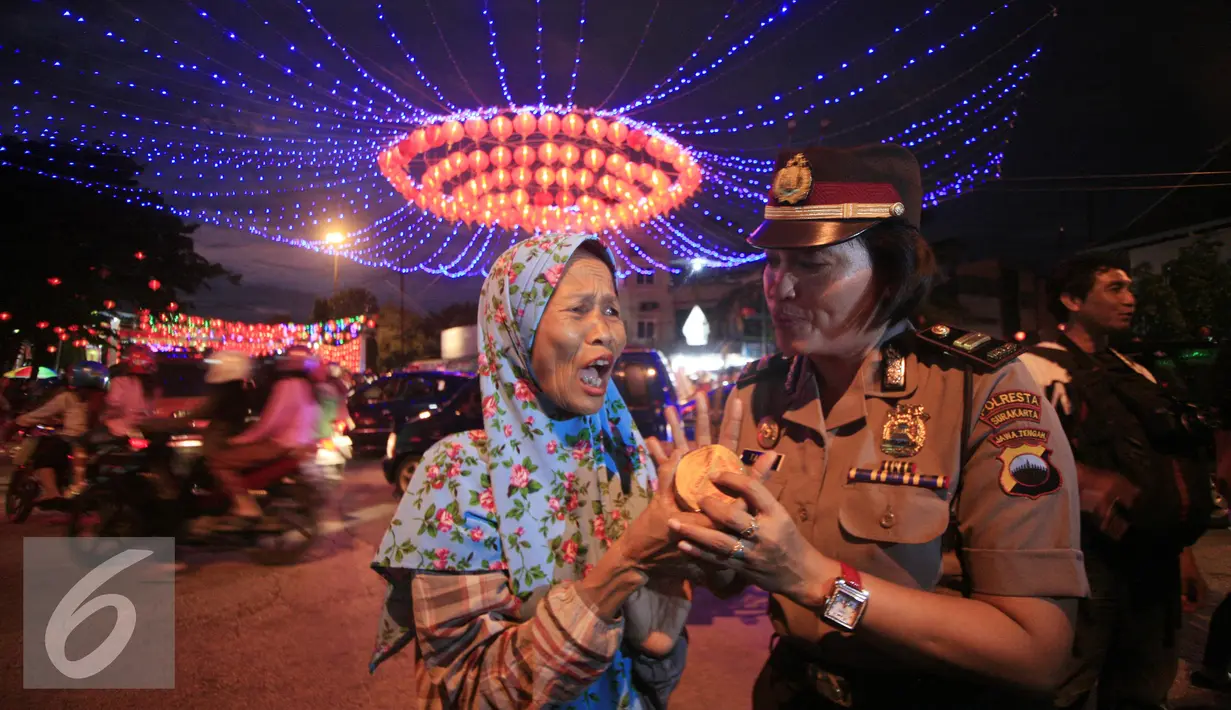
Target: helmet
x=335 y=370
x=297 y=359
x=88 y=375
x=139 y=360
x=228 y=366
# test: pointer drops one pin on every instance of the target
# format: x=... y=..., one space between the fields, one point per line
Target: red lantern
x=565 y=178
x=63 y=336
x=453 y=131
x=418 y=141
x=617 y=133
x=435 y=136
x=616 y=163
x=594 y=159
x=520 y=197
x=54 y=281
x=524 y=155
x=139 y=256
x=501 y=127
x=476 y=128
x=654 y=147
x=57 y=330
x=522 y=176
x=173 y=306
x=637 y=139
x=478 y=161
x=596 y=128
x=525 y=124
x=573 y=125
x=502 y=178
x=72 y=329
x=42 y=325
x=548 y=153
x=549 y=124
x=51 y=348
x=545 y=177
x=542 y=199
x=155 y=284
x=585 y=179
x=501 y=156
x=569 y=154
x=5 y=315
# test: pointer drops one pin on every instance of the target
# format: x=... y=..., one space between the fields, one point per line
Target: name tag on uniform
x=750 y=456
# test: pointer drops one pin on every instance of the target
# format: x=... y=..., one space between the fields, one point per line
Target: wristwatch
x=845 y=605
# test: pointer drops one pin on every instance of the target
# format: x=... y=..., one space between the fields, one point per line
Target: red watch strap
x=850 y=575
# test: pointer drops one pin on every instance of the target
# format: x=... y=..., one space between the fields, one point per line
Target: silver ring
x=737 y=552
x=750 y=532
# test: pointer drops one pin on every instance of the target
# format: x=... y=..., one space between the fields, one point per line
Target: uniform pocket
x=894 y=514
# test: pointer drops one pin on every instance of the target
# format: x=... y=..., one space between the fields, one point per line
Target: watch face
x=845 y=605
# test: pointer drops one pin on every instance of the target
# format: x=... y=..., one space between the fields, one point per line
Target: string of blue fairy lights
x=311 y=163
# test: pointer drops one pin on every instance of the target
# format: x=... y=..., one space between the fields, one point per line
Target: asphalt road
x=299 y=637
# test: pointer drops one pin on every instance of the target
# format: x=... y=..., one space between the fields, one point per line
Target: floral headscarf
x=536 y=496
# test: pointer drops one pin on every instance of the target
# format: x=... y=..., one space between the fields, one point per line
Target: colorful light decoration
x=337 y=340
x=324 y=118
x=534 y=169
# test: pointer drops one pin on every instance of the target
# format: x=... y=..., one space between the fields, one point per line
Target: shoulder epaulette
x=767 y=366
x=979 y=349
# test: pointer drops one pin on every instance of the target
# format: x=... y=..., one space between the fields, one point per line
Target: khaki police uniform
x=875 y=482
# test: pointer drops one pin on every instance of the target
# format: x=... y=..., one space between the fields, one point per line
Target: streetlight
x=334 y=240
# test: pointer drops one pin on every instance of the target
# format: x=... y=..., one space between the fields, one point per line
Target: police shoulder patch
x=985 y=352
x=767 y=367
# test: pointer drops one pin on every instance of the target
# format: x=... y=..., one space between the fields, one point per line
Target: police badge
x=793 y=183
x=904 y=431
x=768 y=432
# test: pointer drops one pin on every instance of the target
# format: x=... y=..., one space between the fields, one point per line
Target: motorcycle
x=135 y=493
x=24 y=486
x=332 y=454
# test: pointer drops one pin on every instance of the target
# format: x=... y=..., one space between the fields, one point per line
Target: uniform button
x=888 y=520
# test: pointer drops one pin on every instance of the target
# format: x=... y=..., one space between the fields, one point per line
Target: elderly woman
x=885 y=439
x=529 y=562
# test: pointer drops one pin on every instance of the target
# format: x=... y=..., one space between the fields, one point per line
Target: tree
x=1190 y=292
x=416 y=339
x=71 y=250
x=347 y=303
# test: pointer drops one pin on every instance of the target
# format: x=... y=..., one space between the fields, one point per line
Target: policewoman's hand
x=755 y=536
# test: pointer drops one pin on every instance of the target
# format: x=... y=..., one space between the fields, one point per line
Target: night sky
x=1114 y=91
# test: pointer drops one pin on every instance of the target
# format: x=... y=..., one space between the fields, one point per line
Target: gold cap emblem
x=793 y=183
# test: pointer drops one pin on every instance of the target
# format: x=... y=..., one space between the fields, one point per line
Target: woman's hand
x=756 y=537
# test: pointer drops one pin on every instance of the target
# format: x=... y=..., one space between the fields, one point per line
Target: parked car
x=642 y=376
x=382 y=407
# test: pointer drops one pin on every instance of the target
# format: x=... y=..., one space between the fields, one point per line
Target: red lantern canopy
x=155 y=284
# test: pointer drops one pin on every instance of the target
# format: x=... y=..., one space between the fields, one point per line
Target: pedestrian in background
x=1144 y=499
x=1216 y=661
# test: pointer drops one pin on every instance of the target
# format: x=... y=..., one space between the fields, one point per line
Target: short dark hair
x=1075 y=276
x=903 y=269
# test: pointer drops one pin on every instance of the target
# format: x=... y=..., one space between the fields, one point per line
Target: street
x=299 y=637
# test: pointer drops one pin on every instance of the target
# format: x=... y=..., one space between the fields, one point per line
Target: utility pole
x=402 y=311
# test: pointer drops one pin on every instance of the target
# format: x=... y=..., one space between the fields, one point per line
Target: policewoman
x=886 y=438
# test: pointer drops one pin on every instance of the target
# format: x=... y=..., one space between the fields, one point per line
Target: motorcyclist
x=130 y=397
x=288 y=422
x=331 y=391
x=226 y=403
x=78 y=408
